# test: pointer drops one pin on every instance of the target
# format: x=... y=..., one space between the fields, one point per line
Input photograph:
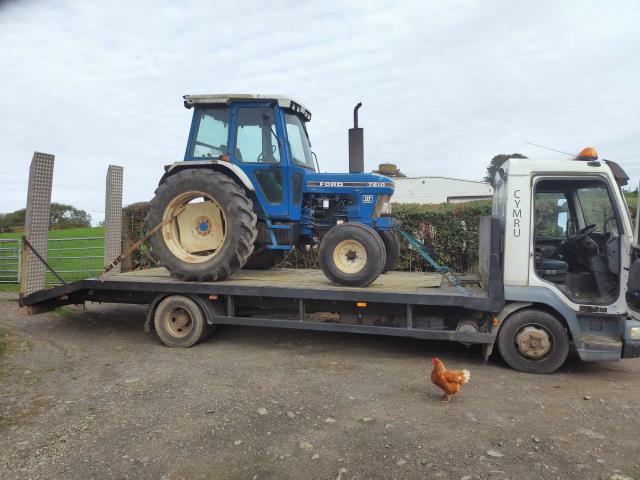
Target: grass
x=73 y=258
x=4 y=342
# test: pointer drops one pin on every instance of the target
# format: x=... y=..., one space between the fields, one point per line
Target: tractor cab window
x=577 y=239
x=256 y=138
x=213 y=133
x=298 y=141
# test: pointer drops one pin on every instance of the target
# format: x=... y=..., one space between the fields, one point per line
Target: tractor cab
x=265 y=136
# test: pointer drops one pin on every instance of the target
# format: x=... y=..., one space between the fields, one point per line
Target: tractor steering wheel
x=262 y=159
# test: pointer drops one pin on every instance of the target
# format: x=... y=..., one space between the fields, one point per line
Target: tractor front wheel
x=210 y=226
x=352 y=254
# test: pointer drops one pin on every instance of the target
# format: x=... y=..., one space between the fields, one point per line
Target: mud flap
x=510 y=308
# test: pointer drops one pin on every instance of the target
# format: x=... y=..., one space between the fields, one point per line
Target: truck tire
x=392 y=249
x=533 y=341
x=211 y=238
x=180 y=322
x=265 y=259
x=352 y=254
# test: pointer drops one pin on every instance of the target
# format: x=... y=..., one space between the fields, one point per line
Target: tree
x=496 y=163
x=62 y=214
x=59 y=214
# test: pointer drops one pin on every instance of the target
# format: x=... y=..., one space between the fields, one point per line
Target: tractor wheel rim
x=350 y=256
x=198 y=232
x=534 y=342
x=178 y=322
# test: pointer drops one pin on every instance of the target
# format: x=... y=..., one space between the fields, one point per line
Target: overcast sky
x=445 y=85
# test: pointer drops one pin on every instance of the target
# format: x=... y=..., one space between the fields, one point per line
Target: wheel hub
x=350 y=256
x=203 y=226
x=198 y=231
x=178 y=322
x=533 y=342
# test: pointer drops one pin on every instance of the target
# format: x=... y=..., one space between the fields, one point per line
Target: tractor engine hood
x=348 y=183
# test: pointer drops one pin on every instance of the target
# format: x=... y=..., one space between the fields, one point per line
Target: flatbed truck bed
x=412 y=304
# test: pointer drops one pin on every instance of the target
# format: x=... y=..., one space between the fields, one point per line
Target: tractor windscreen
x=298 y=141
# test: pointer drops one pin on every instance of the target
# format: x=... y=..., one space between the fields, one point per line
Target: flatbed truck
x=558 y=266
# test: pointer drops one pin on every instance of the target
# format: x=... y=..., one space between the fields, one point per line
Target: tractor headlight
x=383 y=207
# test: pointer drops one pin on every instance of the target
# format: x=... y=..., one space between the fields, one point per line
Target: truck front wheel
x=533 y=341
x=352 y=254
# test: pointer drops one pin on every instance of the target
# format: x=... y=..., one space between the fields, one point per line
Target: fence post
x=36 y=225
x=113 y=216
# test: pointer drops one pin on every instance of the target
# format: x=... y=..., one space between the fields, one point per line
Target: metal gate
x=74 y=258
x=10 y=250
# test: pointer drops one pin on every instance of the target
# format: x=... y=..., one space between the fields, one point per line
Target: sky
x=445 y=85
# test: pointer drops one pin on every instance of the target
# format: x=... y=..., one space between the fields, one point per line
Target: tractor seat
x=553 y=269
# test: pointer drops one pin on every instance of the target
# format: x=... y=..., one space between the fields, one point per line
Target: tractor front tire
x=352 y=254
x=392 y=249
x=211 y=225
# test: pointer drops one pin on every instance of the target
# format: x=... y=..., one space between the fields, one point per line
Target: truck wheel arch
x=514 y=307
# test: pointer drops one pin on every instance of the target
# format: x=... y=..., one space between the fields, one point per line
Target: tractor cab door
x=256 y=146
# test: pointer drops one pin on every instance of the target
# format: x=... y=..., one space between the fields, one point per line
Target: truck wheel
x=352 y=254
x=392 y=249
x=533 y=341
x=180 y=322
x=212 y=236
x=265 y=260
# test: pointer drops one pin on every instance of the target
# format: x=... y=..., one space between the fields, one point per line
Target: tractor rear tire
x=208 y=240
x=392 y=249
x=265 y=259
x=352 y=254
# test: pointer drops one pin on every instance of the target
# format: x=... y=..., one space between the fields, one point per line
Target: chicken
x=449 y=381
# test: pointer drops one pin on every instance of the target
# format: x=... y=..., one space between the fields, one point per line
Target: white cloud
x=445 y=85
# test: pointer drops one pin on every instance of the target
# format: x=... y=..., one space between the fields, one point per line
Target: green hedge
x=449 y=230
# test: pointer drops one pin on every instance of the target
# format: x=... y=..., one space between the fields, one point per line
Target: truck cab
x=568 y=245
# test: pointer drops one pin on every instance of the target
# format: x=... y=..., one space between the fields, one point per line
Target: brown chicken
x=449 y=381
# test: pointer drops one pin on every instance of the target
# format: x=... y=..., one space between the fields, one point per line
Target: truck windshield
x=298 y=141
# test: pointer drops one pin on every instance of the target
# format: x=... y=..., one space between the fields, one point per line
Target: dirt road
x=87 y=394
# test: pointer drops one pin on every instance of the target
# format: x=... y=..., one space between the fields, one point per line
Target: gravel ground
x=87 y=394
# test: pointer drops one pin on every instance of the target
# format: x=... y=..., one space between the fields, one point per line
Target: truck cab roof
x=228 y=98
x=527 y=166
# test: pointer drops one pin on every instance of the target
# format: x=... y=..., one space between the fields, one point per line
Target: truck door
x=255 y=146
x=633 y=284
x=577 y=238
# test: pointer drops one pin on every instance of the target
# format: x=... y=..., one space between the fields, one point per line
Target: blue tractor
x=249 y=191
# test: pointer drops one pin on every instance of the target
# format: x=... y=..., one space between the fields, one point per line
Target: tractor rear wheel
x=211 y=225
x=392 y=249
x=265 y=259
x=352 y=254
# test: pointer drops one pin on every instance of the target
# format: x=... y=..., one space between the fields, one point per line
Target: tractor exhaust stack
x=356 y=144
